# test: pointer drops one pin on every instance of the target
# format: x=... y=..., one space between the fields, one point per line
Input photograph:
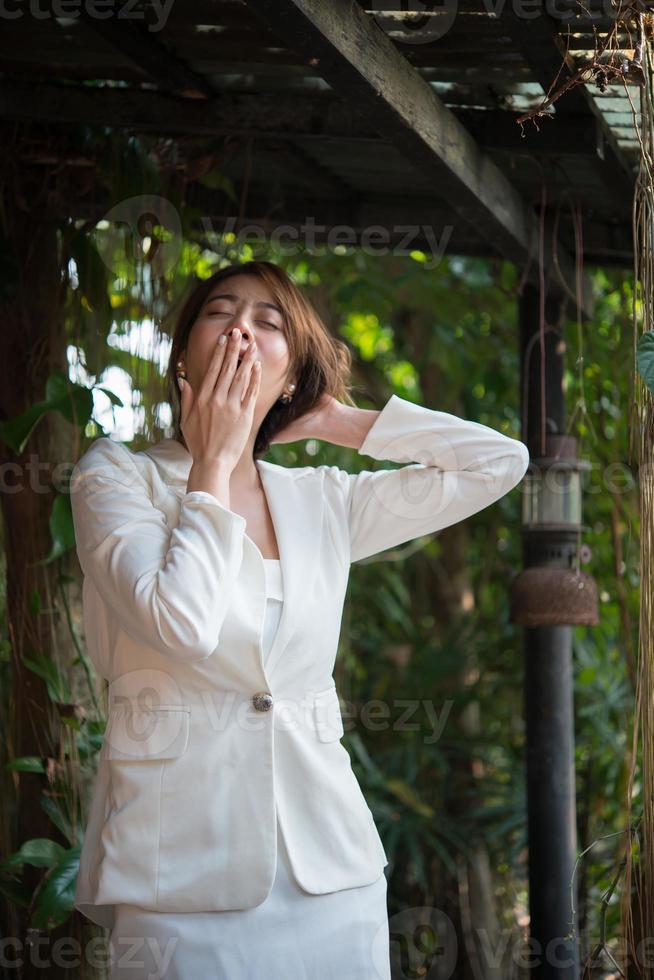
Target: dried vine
x=638 y=898
x=609 y=62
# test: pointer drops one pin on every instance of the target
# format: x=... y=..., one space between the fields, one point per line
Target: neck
x=245 y=473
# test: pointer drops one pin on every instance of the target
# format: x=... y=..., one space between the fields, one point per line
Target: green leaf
x=70 y=721
x=47 y=670
x=62 y=530
x=217 y=181
x=56 y=899
x=645 y=359
x=35 y=602
x=91 y=275
x=404 y=792
x=25 y=763
x=73 y=401
x=112 y=395
x=60 y=819
x=16 y=432
x=41 y=852
x=55 y=386
x=587 y=675
x=77 y=405
x=90 y=738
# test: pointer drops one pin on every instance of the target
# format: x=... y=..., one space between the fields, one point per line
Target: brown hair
x=318 y=361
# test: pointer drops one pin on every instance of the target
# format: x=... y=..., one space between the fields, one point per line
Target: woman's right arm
x=168 y=587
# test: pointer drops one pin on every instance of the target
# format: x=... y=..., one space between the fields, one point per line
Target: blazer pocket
x=134 y=733
x=327 y=715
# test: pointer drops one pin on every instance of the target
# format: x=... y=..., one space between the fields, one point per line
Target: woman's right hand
x=217 y=419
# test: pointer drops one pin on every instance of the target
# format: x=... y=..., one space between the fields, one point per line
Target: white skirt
x=292 y=935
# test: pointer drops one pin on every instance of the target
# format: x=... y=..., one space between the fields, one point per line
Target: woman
x=228 y=836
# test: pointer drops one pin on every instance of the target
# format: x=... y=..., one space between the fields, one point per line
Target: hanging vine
x=610 y=62
x=640 y=845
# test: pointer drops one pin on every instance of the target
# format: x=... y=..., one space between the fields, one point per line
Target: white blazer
x=203 y=743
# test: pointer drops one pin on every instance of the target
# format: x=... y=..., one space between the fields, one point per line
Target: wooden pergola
x=356 y=114
x=343 y=112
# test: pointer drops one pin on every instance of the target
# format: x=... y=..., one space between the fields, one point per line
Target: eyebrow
x=234 y=299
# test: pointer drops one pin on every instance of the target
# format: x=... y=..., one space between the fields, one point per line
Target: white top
x=274 y=584
x=274 y=602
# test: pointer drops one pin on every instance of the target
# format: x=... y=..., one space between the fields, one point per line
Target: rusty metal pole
x=548 y=691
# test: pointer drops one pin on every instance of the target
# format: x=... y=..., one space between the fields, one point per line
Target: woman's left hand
x=312 y=425
x=332 y=421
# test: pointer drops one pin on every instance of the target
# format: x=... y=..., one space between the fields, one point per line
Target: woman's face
x=246 y=303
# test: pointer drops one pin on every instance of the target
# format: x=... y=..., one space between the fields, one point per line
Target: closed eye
x=223 y=313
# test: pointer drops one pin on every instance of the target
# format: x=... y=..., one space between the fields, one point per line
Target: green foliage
x=40 y=853
x=56 y=897
x=74 y=402
x=61 y=528
x=47 y=670
x=645 y=358
x=26 y=763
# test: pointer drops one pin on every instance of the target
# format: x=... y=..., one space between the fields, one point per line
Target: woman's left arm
x=455 y=469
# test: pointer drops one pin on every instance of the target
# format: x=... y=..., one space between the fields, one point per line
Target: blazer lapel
x=296 y=510
x=297 y=515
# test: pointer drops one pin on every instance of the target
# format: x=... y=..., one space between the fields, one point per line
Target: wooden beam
x=364 y=67
x=148 y=54
x=303 y=117
x=247 y=114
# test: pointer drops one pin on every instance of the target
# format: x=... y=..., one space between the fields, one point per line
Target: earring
x=181 y=373
x=287 y=398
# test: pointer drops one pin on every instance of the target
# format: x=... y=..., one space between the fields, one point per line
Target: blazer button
x=262 y=701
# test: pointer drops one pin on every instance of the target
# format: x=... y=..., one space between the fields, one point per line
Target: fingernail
x=222 y=340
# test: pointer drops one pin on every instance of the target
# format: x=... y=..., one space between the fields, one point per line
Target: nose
x=244 y=339
x=245 y=332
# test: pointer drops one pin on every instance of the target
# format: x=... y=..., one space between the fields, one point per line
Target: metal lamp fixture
x=552 y=591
